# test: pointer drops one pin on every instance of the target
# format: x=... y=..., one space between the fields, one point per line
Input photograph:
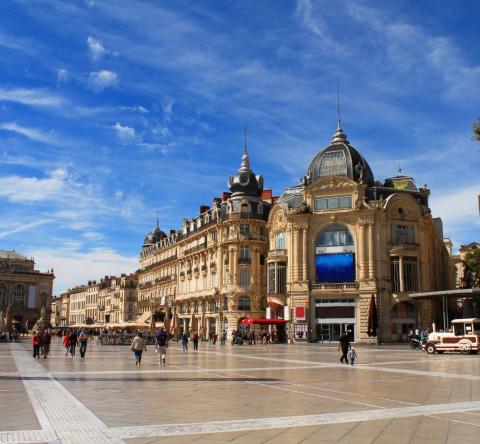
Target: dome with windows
x=154 y=236
x=340 y=159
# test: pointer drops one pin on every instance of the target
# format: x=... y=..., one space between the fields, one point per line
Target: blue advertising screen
x=336 y=268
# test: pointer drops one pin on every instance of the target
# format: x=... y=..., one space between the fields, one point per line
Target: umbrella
x=192 y=322
x=203 y=323
x=372 y=318
x=152 y=323
x=166 y=320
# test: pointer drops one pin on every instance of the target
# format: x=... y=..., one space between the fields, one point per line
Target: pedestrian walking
x=185 y=342
x=223 y=338
x=37 y=344
x=73 y=339
x=352 y=354
x=83 y=340
x=196 y=337
x=161 y=344
x=139 y=345
x=344 y=345
x=46 y=340
x=66 y=344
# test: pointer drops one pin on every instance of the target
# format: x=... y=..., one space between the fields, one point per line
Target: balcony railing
x=277 y=253
x=332 y=286
x=244 y=260
x=236 y=216
x=404 y=246
x=196 y=248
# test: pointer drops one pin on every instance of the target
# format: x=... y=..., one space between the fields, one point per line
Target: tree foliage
x=476 y=131
x=471 y=264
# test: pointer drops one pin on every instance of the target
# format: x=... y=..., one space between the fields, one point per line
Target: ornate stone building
x=23 y=288
x=211 y=274
x=340 y=240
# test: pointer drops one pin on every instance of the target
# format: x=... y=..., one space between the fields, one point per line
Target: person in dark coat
x=344 y=345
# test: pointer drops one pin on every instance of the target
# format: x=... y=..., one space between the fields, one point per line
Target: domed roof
x=154 y=236
x=340 y=159
x=245 y=182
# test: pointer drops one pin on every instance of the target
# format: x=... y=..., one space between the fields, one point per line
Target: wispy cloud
x=31 y=96
x=24 y=227
x=98 y=81
x=124 y=133
x=31 y=133
x=96 y=49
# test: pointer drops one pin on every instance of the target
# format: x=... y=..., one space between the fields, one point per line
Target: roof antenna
x=399 y=169
x=245 y=139
x=157 y=220
x=338 y=105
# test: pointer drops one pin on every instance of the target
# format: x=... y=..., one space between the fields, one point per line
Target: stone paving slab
x=281 y=394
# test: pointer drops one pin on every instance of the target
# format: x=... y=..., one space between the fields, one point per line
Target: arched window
x=334 y=235
x=244 y=303
x=19 y=296
x=3 y=295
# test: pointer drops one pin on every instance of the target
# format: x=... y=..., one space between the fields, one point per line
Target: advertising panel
x=335 y=268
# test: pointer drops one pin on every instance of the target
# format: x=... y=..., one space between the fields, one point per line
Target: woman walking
x=66 y=344
x=73 y=339
x=37 y=343
x=139 y=345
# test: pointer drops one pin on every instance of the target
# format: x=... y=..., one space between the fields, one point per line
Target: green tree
x=471 y=268
x=476 y=130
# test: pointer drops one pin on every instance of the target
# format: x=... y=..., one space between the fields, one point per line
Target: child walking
x=352 y=354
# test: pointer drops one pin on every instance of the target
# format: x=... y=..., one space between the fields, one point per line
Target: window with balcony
x=19 y=296
x=244 y=229
x=244 y=276
x=277 y=278
x=214 y=280
x=244 y=303
x=280 y=241
x=402 y=234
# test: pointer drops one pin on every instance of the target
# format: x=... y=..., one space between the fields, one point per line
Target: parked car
x=464 y=338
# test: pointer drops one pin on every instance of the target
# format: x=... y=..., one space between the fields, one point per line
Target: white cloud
x=32 y=189
x=97 y=51
x=31 y=133
x=457 y=207
x=124 y=133
x=93 y=236
x=62 y=75
x=73 y=267
x=24 y=227
x=98 y=81
x=36 y=97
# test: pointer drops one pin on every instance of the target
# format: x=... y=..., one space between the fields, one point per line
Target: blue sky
x=110 y=111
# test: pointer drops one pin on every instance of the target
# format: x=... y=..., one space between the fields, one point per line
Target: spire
x=158 y=226
x=245 y=165
x=339 y=136
x=399 y=169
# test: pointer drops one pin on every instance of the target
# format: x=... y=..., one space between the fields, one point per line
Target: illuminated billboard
x=335 y=268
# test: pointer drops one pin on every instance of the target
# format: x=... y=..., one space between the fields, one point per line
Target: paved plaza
x=241 y=394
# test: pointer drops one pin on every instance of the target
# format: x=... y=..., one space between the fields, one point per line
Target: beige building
x=210 y=274
x=111 y=300
x=341 y=239
x=23 y=288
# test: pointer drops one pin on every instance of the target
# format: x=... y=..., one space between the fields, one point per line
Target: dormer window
x=334 y=163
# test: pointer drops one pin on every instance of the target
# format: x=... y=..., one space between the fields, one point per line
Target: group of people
x=41 y=341
x=348 y=351
x=250 y=337
x=74 y=338
x=139 y=345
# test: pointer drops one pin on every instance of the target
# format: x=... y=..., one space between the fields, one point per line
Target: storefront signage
x=300 y=313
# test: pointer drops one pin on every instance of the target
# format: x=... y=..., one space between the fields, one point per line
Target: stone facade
x=23 y=288
x=344 y=237
x=211 y=274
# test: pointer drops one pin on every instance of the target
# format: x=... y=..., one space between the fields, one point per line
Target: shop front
x=332 y=317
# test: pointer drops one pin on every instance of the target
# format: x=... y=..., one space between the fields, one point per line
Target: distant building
x=23 y=288
x=458 y=261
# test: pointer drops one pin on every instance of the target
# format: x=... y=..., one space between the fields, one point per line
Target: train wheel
x=430 y=349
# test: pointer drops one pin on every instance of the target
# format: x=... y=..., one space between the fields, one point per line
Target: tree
x=471 y=266
x=476 y=131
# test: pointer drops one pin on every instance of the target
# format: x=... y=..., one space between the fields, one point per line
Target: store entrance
x=331 y=332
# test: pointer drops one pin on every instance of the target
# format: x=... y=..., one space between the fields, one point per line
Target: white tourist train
x=464 y=337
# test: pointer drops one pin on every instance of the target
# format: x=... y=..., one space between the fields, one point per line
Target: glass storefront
x=333 y=316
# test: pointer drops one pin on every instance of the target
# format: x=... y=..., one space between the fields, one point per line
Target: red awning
x=262 y=321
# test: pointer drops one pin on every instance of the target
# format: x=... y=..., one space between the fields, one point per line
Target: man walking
x=344 y=345
x=161 y=344
x=196 y=338
x=46 y=340
x=73 y=339
x=185 y=341
x=37 y=343
x=83 y=339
